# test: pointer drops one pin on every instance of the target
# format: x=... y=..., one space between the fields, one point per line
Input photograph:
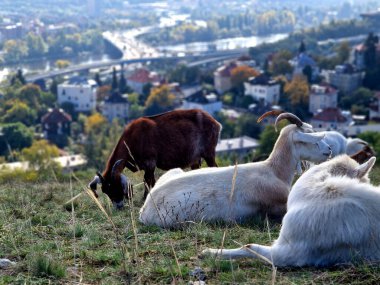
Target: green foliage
x=16 y=135
x=358 y=102
x=184 y=75
x=43 y=266
x=247 y=125
x=267 y=140
x=20 y=112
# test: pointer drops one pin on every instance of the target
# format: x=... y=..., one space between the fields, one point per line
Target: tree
x=19 y=77
x=122 y=83
x=358 y=101
x=160 y=100
x=298 y=91
x=247 y=125
x=20 y=112
x=31 y=94
x=280 y=63
x=40 y=154
x=95 y=123
x=241 y=74
x=114 y=84
x=36 y=45
x=16 y=135
x=302 y=47
x=267 y=140
x=61 y=63
x=98 y=80
x=15 y=50
x=343 y=51
x=308 y=72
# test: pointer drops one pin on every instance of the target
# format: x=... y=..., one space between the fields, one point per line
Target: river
x=223 y=44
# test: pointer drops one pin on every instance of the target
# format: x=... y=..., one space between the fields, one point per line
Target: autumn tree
x=297 y=91
x=241 y=74
x=102 y=92
x=40 y=154
x=61 y=63
x=160 y=100
x=95 y=123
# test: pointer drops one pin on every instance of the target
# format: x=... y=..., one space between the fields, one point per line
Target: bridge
x=198 y=59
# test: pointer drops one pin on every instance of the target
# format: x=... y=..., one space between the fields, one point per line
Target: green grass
x=54 y=242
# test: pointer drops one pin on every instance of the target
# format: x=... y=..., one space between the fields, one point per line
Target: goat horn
x=114 y=167
x=290 y=117
x=269 y=113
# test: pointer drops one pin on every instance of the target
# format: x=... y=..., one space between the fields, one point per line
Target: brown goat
x=174 y=139
x=363 y=155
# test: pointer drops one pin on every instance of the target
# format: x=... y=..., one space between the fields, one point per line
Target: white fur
x=340 y=144
x=333 y=217
x=205 y=194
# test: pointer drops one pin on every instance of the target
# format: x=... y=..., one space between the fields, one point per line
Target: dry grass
x=60 y=234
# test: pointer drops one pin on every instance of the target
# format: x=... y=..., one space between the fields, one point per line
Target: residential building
x=12 y=32
x=116 y=106
x=240 y=145
x=374 y=111
x=222 y=77
x=301 y=61
x=140 y=77
x=202 y=100
x=80 y=92
x=263 y=88
x=345 y=78
x=322 y=97
x=56 y=126
x=331 y=119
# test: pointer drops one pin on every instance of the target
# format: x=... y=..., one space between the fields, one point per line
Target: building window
x=63 y=92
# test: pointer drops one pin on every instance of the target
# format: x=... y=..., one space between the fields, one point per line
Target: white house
x=263 y=88
x=116 y=106
x=79 y=91
x=344 y=77
x=202 y=100
x=322 y=97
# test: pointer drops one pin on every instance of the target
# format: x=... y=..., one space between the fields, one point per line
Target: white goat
x=333 y=217
x=205 y=194
x=340 y=144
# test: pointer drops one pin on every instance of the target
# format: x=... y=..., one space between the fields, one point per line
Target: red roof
x=330 y=115
x=142 y=76
x=225 y=71
x=56 y=116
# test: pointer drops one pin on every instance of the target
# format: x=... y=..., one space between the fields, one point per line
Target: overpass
x=198 y=59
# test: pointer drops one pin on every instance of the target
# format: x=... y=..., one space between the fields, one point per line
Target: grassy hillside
x=55 y=243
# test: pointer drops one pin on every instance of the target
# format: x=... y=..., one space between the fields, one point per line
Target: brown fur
x=363 y=155
x=174 y=139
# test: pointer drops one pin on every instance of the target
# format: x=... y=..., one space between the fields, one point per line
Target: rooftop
x=80 y=80
x=225 y=70
x=330 y=115
x=116 y=98
x=239 y=143
x=202 y=97
x=142 y=75
x=55 y=116
x=323 y=90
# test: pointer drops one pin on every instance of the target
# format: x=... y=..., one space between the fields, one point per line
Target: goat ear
x=307 y=137
x=365 y=168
